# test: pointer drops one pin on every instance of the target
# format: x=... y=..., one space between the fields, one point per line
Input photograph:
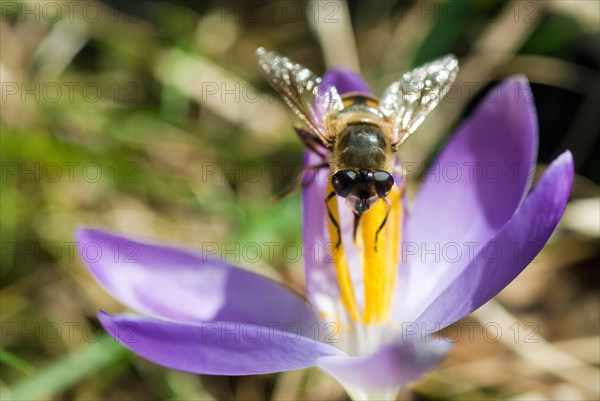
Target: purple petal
x=176 y=284
x=346 y=81
x=509 y=252
x=321 y=279
x=217 y=348
x=472 y=189
x=392 y=366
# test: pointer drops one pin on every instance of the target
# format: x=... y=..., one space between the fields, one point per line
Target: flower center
x=378 y=245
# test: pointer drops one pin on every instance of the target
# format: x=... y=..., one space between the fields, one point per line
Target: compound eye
x=343 y=181
x=383 y=183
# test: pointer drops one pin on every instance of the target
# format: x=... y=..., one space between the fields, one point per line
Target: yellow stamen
x=374 y=269
x=381 y=254
x=394 y=228
x=339 y=258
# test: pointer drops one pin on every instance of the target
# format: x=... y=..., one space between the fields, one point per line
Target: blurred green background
x=150 y=118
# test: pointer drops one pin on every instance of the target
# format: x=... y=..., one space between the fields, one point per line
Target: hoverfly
x=357 y=134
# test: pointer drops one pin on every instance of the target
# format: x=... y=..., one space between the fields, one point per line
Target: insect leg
x=302 y=181
x=389 y=207
x=307 y=183
x=310 y=140
x=331 y=195
x=356 y=220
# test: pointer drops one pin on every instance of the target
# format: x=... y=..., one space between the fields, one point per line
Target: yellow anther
x=380 y=258
x=394 y=233
x=339 y=258
x=374 y=269
x=380 y=255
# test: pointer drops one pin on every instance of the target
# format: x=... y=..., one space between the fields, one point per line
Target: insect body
x=362 y=153
x=357 y=134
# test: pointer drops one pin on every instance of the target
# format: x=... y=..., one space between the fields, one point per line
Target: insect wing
x=299 y=88
x=409 y=100
x=327 y=103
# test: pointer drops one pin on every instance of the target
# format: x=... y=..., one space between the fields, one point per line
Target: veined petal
x=346 y=81
x=321 y=279
x=391 y=367
x=217 y=348
x=471 y=190
x=509 y=252
x=176 y=284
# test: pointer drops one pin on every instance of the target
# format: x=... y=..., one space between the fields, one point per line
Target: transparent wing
x=299 y=88
x=409 y=100
x=326 y=104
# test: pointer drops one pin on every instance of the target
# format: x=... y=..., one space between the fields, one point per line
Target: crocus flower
x=368 y=310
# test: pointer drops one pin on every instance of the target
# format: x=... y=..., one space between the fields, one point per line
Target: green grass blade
x=68 y=371
x=11 y=360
